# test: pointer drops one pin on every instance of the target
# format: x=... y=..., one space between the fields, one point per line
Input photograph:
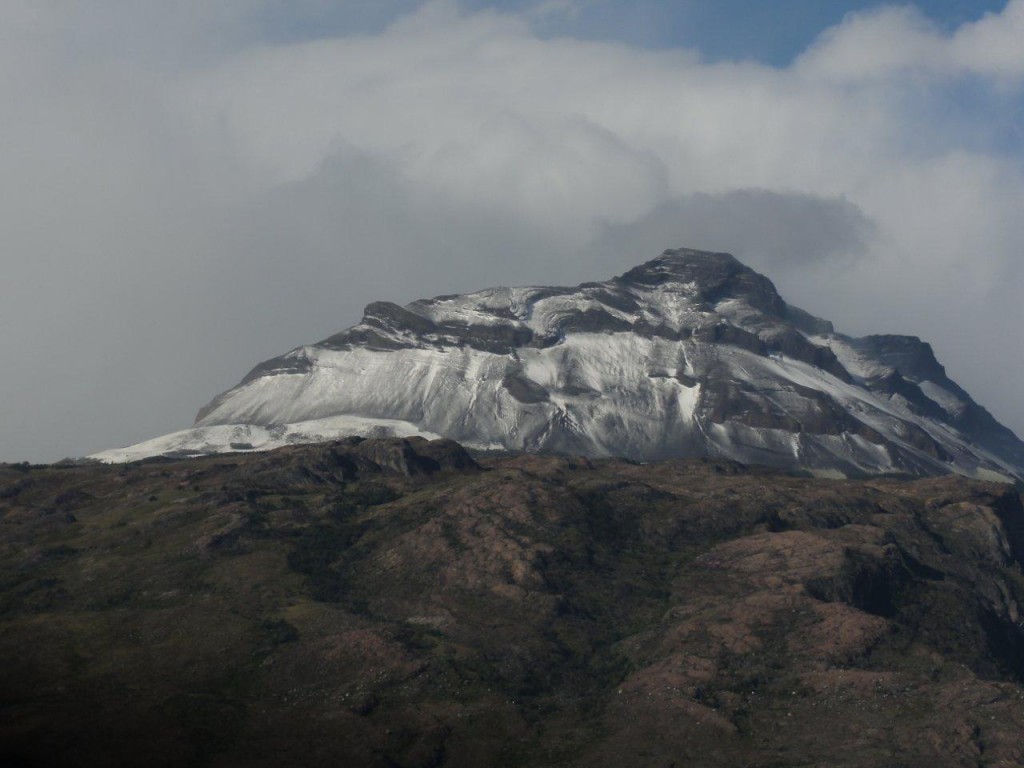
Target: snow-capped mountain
x=691 y=353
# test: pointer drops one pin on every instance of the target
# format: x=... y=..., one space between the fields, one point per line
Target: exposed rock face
x=381 y=603
x=690 y=354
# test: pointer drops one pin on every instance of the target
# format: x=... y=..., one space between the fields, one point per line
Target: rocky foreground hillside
x=396 y=603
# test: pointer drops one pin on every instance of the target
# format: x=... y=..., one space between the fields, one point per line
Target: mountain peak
x=686 y=265
x=711 y=276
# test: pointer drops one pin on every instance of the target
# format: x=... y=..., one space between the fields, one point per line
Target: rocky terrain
x=690 y=354
x=395 y=602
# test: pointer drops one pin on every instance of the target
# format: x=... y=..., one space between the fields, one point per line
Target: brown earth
x=395 y=603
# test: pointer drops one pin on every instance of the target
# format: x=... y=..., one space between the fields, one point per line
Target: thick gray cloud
x=181 y=200
x=774 y=231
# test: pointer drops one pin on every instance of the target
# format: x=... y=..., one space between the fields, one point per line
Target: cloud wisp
x=179 y=208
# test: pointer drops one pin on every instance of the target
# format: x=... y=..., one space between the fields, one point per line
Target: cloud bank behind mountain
x=185 y=195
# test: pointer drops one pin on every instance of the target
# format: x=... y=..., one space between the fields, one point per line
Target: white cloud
x=169 y=218
x=995 y=44
x=900 y=40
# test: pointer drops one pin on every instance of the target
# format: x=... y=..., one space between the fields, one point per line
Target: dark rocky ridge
x=398 y=603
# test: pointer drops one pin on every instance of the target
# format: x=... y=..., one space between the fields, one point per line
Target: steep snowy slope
x=691 y=353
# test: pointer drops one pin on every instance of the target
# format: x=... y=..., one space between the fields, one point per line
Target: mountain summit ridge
x=692 y=353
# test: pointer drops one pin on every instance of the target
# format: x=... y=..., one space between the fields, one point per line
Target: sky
x=189 y=188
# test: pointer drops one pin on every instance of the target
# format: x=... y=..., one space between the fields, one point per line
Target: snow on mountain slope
x=691 y=353
x=200 y=441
